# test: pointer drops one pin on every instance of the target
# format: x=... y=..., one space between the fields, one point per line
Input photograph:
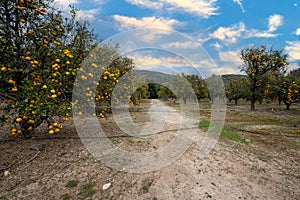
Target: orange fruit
x=14 y=89
x=19 y=119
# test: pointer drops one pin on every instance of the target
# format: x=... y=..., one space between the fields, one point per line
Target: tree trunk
x=288 y=106
x=236 y=101
x=253 y=95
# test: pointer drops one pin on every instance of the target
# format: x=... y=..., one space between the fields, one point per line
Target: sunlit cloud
x=81 y=15
x=142 y=61
x=293 y=50
x=64 y=4
x=87 y=15
x=231 y=34
x=147 y=3
x=224 y=70
x=202 y=8
x=298 y=31
x=231 y=57
x=274 y=22
x=125 y=23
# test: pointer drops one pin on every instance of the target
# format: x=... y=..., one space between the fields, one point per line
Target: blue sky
x=219 y=27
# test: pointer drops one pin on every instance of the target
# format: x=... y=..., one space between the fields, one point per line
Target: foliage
x=182 y=88
x=258 y=62
x=238 y=89
x=153 y=89
x=165 y=93
x=198 y=85
x=140 y=93
x=284 y=88
x=41 y=55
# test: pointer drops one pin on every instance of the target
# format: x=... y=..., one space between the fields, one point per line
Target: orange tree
x=165 y=93
x=96 y=81
x=198 y=85
x=284 y=88
x=258 y=62
x=117 y=67
x=237 y=89
x=289 y=91
x=41 y=53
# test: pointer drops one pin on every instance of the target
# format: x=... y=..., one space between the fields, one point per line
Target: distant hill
x=152 y=75
x=231 y=77
x=168 y=77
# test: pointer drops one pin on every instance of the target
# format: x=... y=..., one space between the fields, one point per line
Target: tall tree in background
x=258 y=61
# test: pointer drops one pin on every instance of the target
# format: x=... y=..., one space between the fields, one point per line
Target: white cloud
x=150 y=61
x=82 y=15
x=259 y=34
x=293 y=50
x=145 y=22
x=231 y=57
x=66 y=3
x=229 y=34
x=275 y=21
x=87 y=15
x=224 y=70
x=217 y=45
x=298 y=31
x=142 y=61
x=239 y=2
x=147 y=3
x=182 y=45
x=202 y=8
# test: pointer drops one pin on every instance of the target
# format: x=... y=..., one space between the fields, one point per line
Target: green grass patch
x=204 y=124
x=232 y=135
x=72 y=183
x=87 y=190
x=226 y=133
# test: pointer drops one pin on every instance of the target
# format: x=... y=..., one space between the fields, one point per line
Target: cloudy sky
x=216 y=29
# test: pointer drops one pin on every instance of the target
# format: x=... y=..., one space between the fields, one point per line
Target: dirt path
x=266 y=168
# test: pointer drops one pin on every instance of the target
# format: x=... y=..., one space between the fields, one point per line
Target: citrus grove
x=41 y=53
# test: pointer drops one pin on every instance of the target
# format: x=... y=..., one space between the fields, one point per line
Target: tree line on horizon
x=266 y=79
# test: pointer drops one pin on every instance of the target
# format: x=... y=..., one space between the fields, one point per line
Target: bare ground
x=60 y=167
